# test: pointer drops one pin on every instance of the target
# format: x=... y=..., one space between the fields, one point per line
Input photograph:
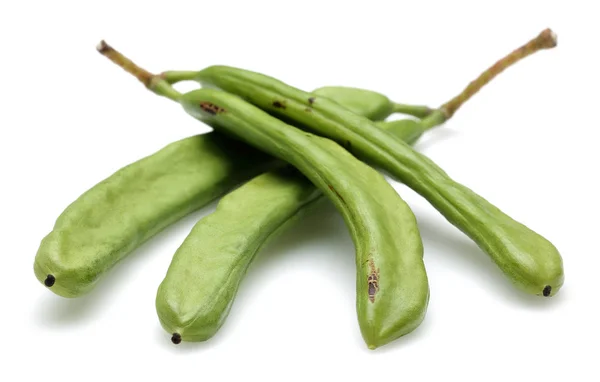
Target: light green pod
x=117 y=215
x=202 y=281
x=392 y=286
x=196 y=295
x=407 y=130
x=530 y=261
x=370 y=104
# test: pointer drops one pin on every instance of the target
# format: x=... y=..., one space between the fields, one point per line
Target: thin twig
x=545 y=40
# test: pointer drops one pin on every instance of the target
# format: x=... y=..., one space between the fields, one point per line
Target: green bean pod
x=529 y=260
x=200 y=286
x=392 y=285
x=117 y=215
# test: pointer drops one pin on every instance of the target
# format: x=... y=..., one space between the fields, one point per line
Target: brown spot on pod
x=373 y=280
x=308 y=110
x=279 y=104
x=372 y=290
x=211 y=108
x=311 y=100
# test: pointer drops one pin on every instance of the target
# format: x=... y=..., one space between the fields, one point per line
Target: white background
x=70 y=118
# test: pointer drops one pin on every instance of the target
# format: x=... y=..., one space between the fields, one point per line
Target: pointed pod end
x=50 y=280
x=176 y=339
x=547 y=291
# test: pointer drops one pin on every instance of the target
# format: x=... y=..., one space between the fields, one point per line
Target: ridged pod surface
x=114 y=217
x=117 y=215
x=392 y=286
x=531 y=262
x=195 y=297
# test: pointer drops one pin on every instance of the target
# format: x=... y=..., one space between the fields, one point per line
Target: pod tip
x=50 y=280
x=176 y=339
x=547 y=290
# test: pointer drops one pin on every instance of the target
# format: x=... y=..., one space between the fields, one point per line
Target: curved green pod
x=117 y=215
x=531 y=262
x=200 y=286
x=391 y=284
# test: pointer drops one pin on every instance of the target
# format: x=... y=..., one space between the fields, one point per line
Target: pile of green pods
x=274 y=151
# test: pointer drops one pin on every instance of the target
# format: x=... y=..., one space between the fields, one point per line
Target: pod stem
x=545 y=40
x=152 y=82
x=435 y=118
x=175 y=76
x=161 y=84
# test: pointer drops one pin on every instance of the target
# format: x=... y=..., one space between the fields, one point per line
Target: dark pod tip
x=547 y=290
x=50 y=280
x=176 y=339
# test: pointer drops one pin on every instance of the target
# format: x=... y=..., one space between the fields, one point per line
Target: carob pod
x=531 y=262
x=117 y=215
x=200 y=286
x=392 y=290
x=114 y=217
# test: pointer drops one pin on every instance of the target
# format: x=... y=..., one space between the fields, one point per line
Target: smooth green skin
x=117 y=215
x=200 y=286
x=382 y=226
x=531 y=262
x=408 y=130
x=370 y=104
